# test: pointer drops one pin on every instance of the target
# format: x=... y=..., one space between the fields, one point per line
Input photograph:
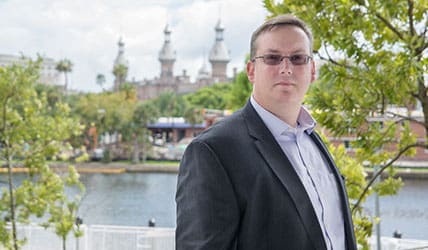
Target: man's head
x=281 y=20
x=281 y=66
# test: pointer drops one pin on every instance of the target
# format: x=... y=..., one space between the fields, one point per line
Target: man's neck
x=287 y=112
x=288 y=115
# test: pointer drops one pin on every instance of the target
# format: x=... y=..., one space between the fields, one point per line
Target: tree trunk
x=66 y=82
x=144 y=147
x=12 y=199
x=423 y=98
x=135 y=151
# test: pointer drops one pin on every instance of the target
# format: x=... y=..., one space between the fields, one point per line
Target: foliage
x=120 y=71
x=374 y=63
x=108 y=111
x=355 y=184
x=30 y=133
x=170 y=104
x=53 y=94
x=144 y=114
x=193 y=115
x=212 y=97
x=63 y=211
x=129 y=90
x=240 y=92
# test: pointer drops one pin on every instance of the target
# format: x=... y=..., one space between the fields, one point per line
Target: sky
x=87 y=33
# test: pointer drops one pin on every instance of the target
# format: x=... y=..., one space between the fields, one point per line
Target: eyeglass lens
x=272 y=59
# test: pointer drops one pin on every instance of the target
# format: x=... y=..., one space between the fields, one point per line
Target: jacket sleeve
x=207 y=210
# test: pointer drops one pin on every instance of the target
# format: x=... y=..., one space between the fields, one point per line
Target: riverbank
x=108 y=168
x=406 y=170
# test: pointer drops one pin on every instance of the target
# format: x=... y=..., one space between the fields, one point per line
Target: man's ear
x=250 y=71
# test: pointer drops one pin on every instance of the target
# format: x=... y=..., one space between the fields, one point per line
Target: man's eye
x=273 y=57
x=297 y=58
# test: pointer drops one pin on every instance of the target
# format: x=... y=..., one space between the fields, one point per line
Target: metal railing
x=388 y=243
x=107 y=237
x=100 y=237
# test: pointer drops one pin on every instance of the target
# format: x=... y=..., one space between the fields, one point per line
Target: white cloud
x=87 y=32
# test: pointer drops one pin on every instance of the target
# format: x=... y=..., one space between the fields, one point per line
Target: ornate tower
x=120 y=67
x=203 y=77
x=219 y=55
x=167 y=57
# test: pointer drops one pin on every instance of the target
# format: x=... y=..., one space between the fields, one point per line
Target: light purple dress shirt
x=313 y=170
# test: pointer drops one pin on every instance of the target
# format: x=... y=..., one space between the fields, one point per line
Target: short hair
x=281 y=20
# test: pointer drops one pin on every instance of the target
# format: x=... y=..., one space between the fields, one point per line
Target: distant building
x=48 y=73
x=181 y=84
x=173 y=129
x=167 y=57
x=416 y=126
x=219 y=56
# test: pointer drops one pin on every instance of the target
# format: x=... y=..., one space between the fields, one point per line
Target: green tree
x=375 y=55
x=120 y=71
x=144 y=114
x=29 y=134
x=129 y=90
x=54 y=94
x=211 y=97
x=62 y=210
x=193 y=116
x=65 y=66
x=170 y=104
x=240 y=91
x=110 y=111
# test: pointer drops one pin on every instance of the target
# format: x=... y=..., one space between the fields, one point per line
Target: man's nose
x=286 y=66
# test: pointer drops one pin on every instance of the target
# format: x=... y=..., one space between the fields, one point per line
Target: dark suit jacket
x=237 y=190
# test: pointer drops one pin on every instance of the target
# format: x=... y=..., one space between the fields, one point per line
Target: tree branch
x=330 y=59
x=410 y=16
x=378 y=173
x=383 y=19
x=405 y=118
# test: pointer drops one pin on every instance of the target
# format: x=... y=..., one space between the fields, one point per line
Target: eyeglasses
x=273 y=59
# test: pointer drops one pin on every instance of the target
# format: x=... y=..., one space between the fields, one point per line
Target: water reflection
x=129 y=199
x=125 y=199
x=406 y=212
x=132 y=199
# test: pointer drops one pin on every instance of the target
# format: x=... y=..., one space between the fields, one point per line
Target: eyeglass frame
x=281 y=58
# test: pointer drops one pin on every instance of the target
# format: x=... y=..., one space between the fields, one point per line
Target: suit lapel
x=282 y=168
x=350 y=237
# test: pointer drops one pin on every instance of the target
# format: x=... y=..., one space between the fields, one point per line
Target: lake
x=132 y=199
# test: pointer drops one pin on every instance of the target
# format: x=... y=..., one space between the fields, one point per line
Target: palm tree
x=65 y=66
x=101 y=79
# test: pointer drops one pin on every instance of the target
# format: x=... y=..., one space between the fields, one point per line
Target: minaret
x=219 y=55
x=203 y=74
x=167 y=57
x=120 y=67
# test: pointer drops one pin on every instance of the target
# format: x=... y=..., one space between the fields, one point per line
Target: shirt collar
x=277 y=127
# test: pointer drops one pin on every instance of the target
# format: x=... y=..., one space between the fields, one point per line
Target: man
x=262 y=178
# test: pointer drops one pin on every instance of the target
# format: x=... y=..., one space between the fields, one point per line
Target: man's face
x=285 y=83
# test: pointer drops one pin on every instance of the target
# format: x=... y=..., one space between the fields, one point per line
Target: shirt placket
x=310 y=183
